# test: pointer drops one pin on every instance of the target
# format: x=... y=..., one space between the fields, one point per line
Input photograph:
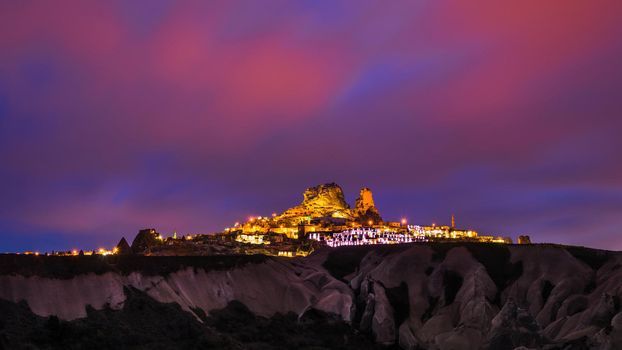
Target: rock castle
x=323 y=209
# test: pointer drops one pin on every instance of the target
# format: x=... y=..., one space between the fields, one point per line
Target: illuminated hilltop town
x=324 y=218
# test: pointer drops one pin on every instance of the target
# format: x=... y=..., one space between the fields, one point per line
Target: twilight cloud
x=189 y=116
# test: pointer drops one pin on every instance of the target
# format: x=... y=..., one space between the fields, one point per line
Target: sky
x=188 y=116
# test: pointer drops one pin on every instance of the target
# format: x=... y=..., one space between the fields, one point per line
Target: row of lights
x=74 y=252
x=404 y=221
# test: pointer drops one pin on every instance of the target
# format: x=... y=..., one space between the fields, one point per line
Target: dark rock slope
x=420 y=296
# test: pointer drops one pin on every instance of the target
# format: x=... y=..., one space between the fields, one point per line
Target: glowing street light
x=404 y=221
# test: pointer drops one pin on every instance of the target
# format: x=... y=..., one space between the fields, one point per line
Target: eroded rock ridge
x=420 y=296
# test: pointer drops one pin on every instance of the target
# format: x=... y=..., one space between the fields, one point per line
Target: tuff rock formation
x=144 y=241
x=365 y=209
x=123 y=248
x=421 y=296
x=326 y=200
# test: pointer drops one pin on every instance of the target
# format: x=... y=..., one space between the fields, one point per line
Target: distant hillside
x=411 y=296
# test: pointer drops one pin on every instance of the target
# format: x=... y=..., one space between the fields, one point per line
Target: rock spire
x=365 y=210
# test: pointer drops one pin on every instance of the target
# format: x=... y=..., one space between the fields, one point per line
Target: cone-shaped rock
x=123 y=248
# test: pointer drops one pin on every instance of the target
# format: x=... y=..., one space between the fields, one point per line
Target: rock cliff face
x=420 y=296
x=144 y=241
x=327 y=200
x=365 y=209
x=319 y=201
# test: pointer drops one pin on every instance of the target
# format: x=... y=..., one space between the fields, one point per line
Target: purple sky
x=121 y=115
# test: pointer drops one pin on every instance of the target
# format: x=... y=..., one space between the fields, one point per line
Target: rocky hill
x=328 y=200
x=417 y=296
x=319 y=201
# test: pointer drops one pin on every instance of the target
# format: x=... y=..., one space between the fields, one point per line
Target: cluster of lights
x=366 y=236
x=105 y=252
x=75 y=252
x=251 y=239
x=258 y=218
x=30 y=253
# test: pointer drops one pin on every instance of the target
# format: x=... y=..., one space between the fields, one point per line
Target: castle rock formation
x=326 y=200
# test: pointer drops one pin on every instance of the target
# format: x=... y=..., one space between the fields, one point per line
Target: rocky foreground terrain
x=419 y=296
